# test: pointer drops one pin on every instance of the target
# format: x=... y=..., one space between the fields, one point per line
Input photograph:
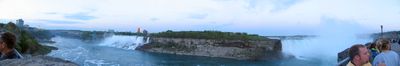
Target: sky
x=264 y=17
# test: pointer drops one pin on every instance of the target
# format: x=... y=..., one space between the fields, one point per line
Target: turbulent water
x=119 y=51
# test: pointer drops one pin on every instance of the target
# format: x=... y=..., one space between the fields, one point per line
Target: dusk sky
x=264 y=17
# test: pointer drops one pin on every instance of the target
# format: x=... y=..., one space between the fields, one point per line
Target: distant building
x=145 y=32
x=20 y=23
x=138 y=30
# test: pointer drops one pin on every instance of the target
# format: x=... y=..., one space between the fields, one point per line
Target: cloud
x=60 y=21
x=270 y=5
x=198 y=16
x=51 y=13
x=80 y=16
x=283 y=4
x=213 y=25
x=257 y=16
x=154 y=19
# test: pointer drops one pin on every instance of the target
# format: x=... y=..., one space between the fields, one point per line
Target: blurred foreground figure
x=7 y=46
x=386 y=57
x=359 y=56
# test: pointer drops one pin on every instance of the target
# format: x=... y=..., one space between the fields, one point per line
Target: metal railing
x=343 y=62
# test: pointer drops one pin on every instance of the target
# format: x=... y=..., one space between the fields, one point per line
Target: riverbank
x=37 y=61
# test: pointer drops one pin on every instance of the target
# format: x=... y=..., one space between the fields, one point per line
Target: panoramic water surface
x=118 y=51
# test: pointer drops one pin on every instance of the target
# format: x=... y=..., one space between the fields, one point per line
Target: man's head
x=359 y=54
x=7 y=41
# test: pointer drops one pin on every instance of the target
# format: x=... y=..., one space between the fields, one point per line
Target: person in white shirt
x=386 y=57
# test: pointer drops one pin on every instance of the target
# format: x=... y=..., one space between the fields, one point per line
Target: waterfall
x=124 y=42
x=147 y=40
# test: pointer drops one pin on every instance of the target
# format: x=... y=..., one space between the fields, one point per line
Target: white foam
x=71 y=54
x=124 y=42
x=98 y=63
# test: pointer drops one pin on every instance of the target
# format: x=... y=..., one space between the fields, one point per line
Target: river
x=119 y=50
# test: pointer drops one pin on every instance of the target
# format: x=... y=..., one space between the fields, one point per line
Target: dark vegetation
x=130 y=33
x=218 y=35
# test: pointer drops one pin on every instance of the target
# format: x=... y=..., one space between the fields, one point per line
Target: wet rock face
x=234 y=49
x=37 y=61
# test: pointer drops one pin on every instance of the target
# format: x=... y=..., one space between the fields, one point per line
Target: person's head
x=7 y=41
x=371 y=45
x=383 y=44
x=359 y=54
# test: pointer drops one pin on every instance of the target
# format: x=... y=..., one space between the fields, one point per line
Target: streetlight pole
x=381 y=31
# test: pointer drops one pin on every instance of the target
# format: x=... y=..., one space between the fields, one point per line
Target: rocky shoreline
x=37 y=61
x=233 y=49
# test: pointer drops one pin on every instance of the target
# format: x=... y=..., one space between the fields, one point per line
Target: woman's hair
x=9 y=39
x=383 y=44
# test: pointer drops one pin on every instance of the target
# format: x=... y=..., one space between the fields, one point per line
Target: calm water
x=117 y=51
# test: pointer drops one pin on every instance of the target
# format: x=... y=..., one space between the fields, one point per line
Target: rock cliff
x=234 y=49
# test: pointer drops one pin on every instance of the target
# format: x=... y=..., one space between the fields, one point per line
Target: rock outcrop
x=37 y=61
x=234 y=49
